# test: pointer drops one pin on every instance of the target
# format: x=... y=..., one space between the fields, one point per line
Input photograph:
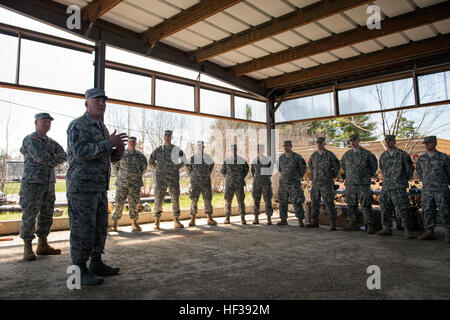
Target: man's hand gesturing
x=118 y=140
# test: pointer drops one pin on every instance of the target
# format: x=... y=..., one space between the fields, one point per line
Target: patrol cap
x=320 y=139
x=200 y=143
x=353 y=137
x=132 y=139
x=43 y=115
x=287 y=143
x=430 y=139
x=389 y=137
x=260 y=147
x=95 y=93
x=233 y=146
x=168 y=132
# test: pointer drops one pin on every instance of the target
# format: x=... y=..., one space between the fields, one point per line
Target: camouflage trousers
x=327 y=195
x=363 y=195
x=432 y=200
x=206 y=192
x=293 y=191
x=264 y=189
x=161 y=186
x=37 y=202
x=134 y=196
x=394 y=199
x=88 y=217
x=230 y=190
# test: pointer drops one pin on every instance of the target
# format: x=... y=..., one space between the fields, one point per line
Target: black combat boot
x=87 y=277
x=98 y=268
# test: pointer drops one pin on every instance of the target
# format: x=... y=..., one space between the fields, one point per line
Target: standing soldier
x=397 y=169
x=324 y=166
x=235 y=169
x=167 y=160
x=261 y=169
x=433 y=168
x=200 y=167
x=37 y=191
x=90 y=151
x=359 y=166
x=130 y=169
x=292 y=168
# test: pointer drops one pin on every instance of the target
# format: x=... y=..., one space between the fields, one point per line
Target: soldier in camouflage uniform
x=130 y=169
x=292 y=168
x=397 y=169
x=261 y=169
x=200 y=167
x=359 y=166
x=167 y=160
x=37 y=191
x=324 y=166
x=235 y=169
x=90 y=151
x=433 y=168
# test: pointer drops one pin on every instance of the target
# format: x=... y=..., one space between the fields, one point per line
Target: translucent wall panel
x=212 y=102
x=174 y=95
x=53 y=67
x=249 y=109
x=385 y=95
x=306 y=108
x=8 y=58
x=434 y=87
x=127 y=86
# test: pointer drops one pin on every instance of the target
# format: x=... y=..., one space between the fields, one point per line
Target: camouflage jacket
x=235 y=170
x=167 y=161
x=90 y=154
x=324 y=168
x=359 y=167
x=434 y=171
x=200 y=168
x=261 y=169
x=292 y=168
x=397 y=169
x=41 y=155
x=130 y=168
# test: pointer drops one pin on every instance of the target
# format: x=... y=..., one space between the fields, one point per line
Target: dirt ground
x=239 y=262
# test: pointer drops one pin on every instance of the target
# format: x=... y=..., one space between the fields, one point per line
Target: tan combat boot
x=45 y=249
x=157 y=220
x=428 y=235
x=227 y=219
x=282 y=222
x=192 y=222
x=313 y=224
x=243 y=219
x=300 y=223
x=447 y=236
x=115 y=225
x=211 y=221
x=177 y=223
x=269 y=220
x=135 y=226
x=332 y=225
x=370 y=229
x=256 y=221
x=28 y=254
x=385 y=232
x=350 y=227
x=408 y=234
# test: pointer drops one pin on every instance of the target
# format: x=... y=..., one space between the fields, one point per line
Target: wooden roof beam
x=382 y=57
x=186 y=18
x=284 y=23
x=389 y=26
x=98 y=8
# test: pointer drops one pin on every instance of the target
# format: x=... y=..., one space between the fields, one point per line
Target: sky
x=63 y=69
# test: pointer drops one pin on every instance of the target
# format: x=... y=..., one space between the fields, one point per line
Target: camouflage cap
x=168 y=132
x=353 y=137
x=233 y=146
x=287 y=143
x=43 y=115
x=320 y=139
x=132 y=139
x=200 y=143
x=430 y=139
x=95 y=93
x=389 y=137
x=260 y=147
